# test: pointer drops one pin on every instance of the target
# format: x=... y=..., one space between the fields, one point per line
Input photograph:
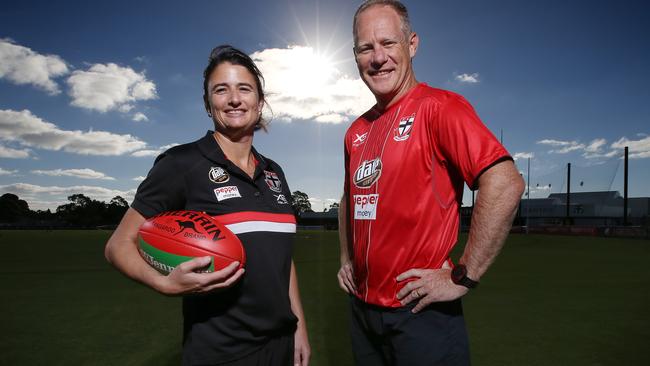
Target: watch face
x=458 y=273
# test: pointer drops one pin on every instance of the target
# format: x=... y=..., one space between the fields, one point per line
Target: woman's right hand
x=186 y=279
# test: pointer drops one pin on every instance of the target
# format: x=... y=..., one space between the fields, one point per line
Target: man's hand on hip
x=429 y=286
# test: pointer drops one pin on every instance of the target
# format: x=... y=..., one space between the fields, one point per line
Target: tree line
x=79 y=211
x=83 y=211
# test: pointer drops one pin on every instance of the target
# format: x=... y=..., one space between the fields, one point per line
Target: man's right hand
x=346 y=278
x=187 y=279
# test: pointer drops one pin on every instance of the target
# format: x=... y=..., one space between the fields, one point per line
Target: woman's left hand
x=301 y=349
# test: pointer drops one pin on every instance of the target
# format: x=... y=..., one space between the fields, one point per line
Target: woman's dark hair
x=228 y=53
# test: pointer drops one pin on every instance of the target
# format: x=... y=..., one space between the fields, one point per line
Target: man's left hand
x=430 y=285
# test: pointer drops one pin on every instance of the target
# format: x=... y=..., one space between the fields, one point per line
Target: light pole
x=528 y=197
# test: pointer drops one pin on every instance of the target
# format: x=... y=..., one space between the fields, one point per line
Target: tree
x=116 y=209
x=300 y=202
x=12 y=208
x=119 y=202
x=83 y=211
x=79 y=200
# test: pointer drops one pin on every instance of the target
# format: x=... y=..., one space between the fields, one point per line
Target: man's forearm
x=500 y=189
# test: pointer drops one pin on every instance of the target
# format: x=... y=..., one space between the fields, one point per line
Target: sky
x=92 y=92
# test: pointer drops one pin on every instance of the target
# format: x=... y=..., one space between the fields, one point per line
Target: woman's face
x=233 y=100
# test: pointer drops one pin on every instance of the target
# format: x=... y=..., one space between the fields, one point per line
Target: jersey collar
x=212 y=151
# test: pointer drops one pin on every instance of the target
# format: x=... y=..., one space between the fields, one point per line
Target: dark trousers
x=397 y=337
x=277 y=352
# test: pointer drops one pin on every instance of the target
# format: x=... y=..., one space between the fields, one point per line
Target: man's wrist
x=459 y=277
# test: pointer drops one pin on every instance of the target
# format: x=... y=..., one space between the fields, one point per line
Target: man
x=406 y=160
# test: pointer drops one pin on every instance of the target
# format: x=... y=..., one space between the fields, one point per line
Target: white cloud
x=331 y=118
x=320 y=204
x=105 y=87
x=29 y=130
x=564 y=146
x=638 y=149
x=125 y=108
x=523 y=155
x=595 y=145
x=7 y=152
x=44 y=204
x=138 y=117
x=21 y=65
x=552 y=142
x=301 y=84
x=52 y=196
x=595 y=150
x=601 y=155
x=152 y=152
x=468 y=78
x=139 y=178
x=77 y=173
x=7 y=172
x=568 y=149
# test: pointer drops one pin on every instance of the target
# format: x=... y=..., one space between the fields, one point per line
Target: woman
x=236 y=317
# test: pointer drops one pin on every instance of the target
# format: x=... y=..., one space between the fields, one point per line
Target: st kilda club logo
x=273 y=181
x=403 y=130
x=367 y=173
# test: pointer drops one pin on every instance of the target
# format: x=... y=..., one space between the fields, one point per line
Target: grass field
x=549 y=300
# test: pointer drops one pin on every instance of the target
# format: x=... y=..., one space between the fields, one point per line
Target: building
x=585 y=208
x=320 y=220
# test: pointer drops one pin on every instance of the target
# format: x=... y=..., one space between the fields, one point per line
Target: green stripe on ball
x=165 y=262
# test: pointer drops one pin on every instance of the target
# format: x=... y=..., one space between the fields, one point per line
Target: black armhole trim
x=499 y=160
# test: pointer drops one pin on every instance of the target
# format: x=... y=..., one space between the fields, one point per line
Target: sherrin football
x=171 y=238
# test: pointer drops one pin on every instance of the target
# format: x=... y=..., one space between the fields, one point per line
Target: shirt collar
x=211 y=150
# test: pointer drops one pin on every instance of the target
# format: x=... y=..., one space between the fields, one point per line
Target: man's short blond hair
x=399 y=8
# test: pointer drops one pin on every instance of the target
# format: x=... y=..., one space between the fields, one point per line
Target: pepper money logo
x=367 y=173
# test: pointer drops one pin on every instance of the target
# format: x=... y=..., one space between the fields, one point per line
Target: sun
x=308 y=71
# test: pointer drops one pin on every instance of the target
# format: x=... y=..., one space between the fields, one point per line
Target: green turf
x=549 y=300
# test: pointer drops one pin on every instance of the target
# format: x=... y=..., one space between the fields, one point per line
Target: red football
x=171 y=238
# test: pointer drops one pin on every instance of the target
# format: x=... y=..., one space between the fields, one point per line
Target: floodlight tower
x=568 y=194
x=625 y=189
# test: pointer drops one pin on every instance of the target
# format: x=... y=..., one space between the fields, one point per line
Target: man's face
x=383 y=53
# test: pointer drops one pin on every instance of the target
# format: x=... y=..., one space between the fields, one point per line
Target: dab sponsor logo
x=367 y=173
x=218 y=175
x=365 y=206
x=273 y=181
x=359 y=139
x=403 y=130
x=228 y=192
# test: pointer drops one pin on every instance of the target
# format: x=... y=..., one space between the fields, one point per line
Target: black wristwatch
x=459 y=277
